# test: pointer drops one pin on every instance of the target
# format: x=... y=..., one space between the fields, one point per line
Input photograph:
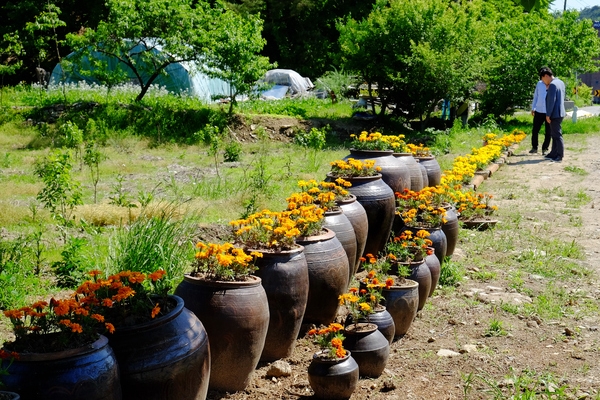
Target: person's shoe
x=544 y=151
x=533 y=151
x=550 y=155
x=557 y=159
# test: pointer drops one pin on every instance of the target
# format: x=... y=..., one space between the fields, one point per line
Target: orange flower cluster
x=408 y=246
x=421 y=209
x=224 y=262
x=330 y=339
x=96 y=306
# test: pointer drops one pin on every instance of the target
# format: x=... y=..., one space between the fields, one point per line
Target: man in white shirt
x=538 y=110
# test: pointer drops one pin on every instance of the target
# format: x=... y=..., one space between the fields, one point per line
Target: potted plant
x=283 y=270
x=373 y=194
x=380 y=148
x=6 y=360
x=148 y=337
x=400 y=293
x=423 y=211
x=328 y=264
x=368 y=345
x=409 y=248
x=233 y=306
x=328 y=195
x=59 y=353
x=332 y=373
x=476 y=210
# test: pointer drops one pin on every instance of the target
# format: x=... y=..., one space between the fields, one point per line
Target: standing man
x=538 y=110
x=555 y=112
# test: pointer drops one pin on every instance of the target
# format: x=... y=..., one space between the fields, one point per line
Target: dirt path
x=553 y=200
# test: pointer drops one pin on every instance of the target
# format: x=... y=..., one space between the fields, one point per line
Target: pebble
x=279 y=368
x=447 y=353
x=468 y=348
x=532 y=324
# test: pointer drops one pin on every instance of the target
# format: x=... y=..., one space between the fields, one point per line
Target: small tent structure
x=285 y=80
x=180 y=77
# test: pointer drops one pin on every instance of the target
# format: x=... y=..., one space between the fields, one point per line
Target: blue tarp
x=178 y=77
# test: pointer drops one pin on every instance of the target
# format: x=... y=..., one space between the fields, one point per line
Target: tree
x=11 y=50
x=147 y=36
x=234 y=53
x=417 y=52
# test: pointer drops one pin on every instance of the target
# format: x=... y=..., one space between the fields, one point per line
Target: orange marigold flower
x=98 y=317
x=155 y=311
x=335 y=327
x=312 y=332
x=76 y=328
x=110 y=327
x=336 y=342
x=107 y=302
x=95 y=272
x=156 y=275
x=340 y=352
x=389 y=282
x=353 y=290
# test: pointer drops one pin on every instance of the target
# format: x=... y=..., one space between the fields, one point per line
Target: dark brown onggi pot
x=337 y=221
x=167 y=358
x=435 y=268
x=394 y=173
x=424 y=175
x=416 y=177
x=334 y=379
x=434 y=172
x=369 y=348
x=284 y=277
x=328 y=271
x=379 y=203
x=357 y=216
x=419 y=272
x=438 y=239
x=450 y=228
x=236 y=317
x=402 y=301
x=89 y=372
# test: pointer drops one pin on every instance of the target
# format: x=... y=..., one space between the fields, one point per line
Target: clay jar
x=335 y=378
x=236 y=317
x=416 y=177
x=284 y=276
x=434 y=172
x=337 y=221
x=395 y=173
x=402 y=301
x=357 y=216
x=379 y=203
x=328 y=271
x=369 y=348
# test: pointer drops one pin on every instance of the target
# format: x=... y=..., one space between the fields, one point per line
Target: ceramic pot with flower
x=58 y=353
x=370 y=347
x=380 y=148
x=373 y=194
x=233 y=307
x=283 y=270
x=332 y=373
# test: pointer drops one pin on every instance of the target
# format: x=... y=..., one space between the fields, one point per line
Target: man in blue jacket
x=555 y=112
x=538 y=110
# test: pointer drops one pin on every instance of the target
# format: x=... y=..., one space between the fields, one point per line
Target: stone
x=279 y=368
x=532 y=324
x=468 y=348
x=447 y=353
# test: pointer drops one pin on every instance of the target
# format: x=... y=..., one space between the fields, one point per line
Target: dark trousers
x=538 y=120
x=558 y=145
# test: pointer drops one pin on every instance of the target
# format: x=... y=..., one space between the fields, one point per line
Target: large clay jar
x=416 y=177
x=450 y=228
x=341 y=225
x=402 y=301
x=333 y=378
x=284 y=277
x=236 y=317
x=167 y=358
x=395 y=173
x=369 y=348
x=434 y=172
x=424 y=175
x=328 y=271
x=89 y=372
x=357 y=216
x=419 y=272
x=379 y=202
x=434 y=268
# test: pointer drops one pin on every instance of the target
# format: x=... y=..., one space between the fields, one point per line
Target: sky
x=576 y=4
